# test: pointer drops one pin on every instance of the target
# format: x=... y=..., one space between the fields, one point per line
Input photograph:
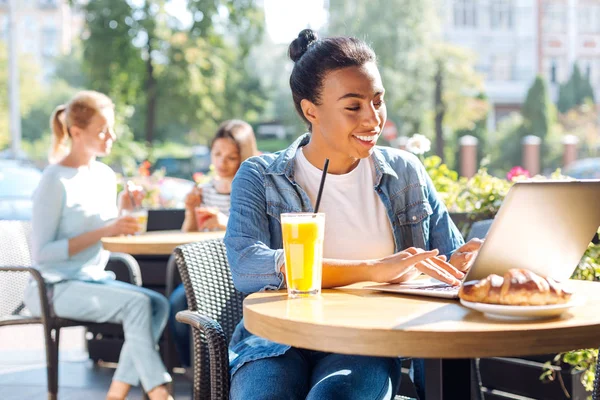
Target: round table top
x=155 y=243
x=354 y=320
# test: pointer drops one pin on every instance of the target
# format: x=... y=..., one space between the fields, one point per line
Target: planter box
x=521 y=377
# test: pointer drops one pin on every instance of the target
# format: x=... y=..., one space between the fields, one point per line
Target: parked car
x=18 y=180
x=185 y=167
x=586 y=168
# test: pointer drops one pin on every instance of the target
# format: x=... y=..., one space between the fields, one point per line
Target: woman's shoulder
x=103 y=168
x=398 y=157
x=258 y=164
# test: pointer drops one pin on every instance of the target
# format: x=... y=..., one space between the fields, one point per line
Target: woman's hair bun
x=299 y=46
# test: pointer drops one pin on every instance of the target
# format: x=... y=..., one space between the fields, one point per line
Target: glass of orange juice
x=303 y=247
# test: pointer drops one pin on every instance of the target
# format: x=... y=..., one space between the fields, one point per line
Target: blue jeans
x=143 y=313
x=313 y=375
x=181 y=332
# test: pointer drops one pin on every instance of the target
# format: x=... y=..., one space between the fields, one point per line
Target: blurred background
x=495 y=70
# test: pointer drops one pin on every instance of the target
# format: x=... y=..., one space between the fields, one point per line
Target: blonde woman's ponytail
x=59 y=134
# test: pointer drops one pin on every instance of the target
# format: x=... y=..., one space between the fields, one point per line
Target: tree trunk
x=150 y=89
x=440 y=111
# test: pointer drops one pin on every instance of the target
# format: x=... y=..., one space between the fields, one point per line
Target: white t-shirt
x=357 y=226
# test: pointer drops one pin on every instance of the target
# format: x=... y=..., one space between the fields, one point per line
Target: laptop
x=542 y=226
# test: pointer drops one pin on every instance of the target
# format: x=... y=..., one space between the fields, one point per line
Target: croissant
x=518 y=287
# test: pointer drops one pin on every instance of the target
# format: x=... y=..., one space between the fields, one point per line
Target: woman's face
x=98 y=137
x=225 y=156
x=352 y=113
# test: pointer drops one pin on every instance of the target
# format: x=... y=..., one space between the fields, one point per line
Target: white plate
x=521 y=313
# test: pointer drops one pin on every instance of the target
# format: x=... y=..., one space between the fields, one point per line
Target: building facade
x=516 y=39
x=45 y=29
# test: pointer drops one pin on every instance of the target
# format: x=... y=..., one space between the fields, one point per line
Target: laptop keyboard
x=439 y=288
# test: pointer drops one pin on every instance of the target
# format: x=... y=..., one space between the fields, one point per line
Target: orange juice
x=141 y=217
x=303 y=248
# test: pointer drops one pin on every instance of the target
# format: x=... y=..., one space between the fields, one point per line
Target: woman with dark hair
x=207 y=207
x=384 y=221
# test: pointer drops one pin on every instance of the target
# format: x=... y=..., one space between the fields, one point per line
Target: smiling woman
x=384 y=220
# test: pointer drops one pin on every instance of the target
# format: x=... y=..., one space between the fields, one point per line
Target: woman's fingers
x=436 y=272
x=447 y=267
x=413 y=256
x=437 y=267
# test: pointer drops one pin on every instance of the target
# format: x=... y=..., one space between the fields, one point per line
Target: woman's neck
x=77 y=159
x=223 y=185
x=316 y=151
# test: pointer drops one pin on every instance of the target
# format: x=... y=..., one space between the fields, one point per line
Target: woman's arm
x=255 y=266
x=48 y=201
x=443 y=234
x=192 y=200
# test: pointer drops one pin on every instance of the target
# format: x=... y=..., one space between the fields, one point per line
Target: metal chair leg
x=52 y=344
x=596 y=392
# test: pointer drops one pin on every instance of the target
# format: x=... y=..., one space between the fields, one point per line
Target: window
x=501 y=14
x=501 y=68
x=4 y=28
x=49 y=41
x=465 y=13
x=554 y=18
x=587 y=17
x=553 y=71
x=47 y=3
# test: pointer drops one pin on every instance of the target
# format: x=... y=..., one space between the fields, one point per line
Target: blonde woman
x=74 y=206
x=207 y=207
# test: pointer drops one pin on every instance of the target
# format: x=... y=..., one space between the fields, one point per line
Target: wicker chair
x=214 y=310
x=15 y=272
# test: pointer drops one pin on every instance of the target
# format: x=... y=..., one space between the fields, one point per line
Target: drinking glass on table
x=303 y=247
x=141 y=216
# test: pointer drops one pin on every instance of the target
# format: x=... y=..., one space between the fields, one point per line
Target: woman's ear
x=309 y=109
x=75 y=131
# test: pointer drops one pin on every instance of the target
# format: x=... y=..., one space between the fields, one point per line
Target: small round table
x=356 y=320
x=155 y=243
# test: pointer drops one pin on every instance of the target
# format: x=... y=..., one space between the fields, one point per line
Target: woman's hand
x=212 y=219
x=126 y=225
x=131 y=192
x=193 y=199
x=463 y=257
x=391 y=269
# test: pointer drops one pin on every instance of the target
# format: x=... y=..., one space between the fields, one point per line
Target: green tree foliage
x=401 y=47
x=430 y=84
x=538 y=117
x=477 y=128
x=536 y=110
x=181 y=80
x=456 y=106
x=575 y=92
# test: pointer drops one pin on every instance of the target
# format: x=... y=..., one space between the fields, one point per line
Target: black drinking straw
x=323 y=176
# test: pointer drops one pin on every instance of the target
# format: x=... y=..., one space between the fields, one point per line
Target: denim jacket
x=264 y=187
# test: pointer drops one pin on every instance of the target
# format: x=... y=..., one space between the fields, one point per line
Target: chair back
x=208 y=284
x=14 y=252
x=165 y=219
x=480 y=229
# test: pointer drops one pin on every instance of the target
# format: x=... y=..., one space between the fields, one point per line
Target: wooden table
x=354 y=320
x=155 y=243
